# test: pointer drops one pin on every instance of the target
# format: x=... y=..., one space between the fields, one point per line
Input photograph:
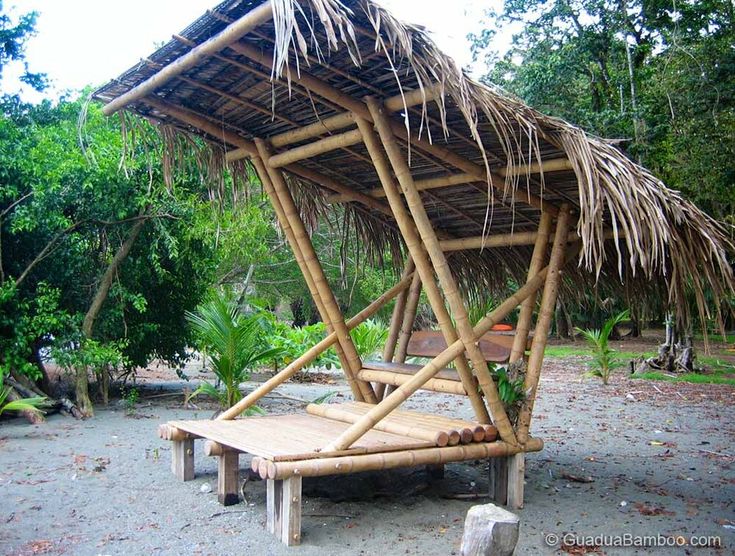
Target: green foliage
x=81 y=353
x=292 y=342
x=693 y=378
x=131 y=398
x=510 y=391
x=24 y=404
x=13 y=37
x=369 y=338
x=234 y=342
x=603 y=356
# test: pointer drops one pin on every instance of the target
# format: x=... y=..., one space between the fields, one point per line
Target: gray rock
x=489 y=531
x=206 y=488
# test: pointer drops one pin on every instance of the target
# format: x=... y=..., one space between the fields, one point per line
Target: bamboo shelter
x=339 y=107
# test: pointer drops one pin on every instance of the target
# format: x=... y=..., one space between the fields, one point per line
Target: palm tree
x=234 y=343
x=25 y=404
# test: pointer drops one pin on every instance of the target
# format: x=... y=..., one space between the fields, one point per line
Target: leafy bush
x=369 y=338
x=235 y=343
x=604 y=357
x=25 y=404
x=295 y=341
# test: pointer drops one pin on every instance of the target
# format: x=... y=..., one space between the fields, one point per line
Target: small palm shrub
x=25 y=404
x=369 y=338
x=604 y=359
x=235 y=343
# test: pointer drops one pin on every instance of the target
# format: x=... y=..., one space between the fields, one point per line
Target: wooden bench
x=495 y=347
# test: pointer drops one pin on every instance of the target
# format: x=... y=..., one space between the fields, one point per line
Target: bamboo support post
x=283 y=509
x=438 y=437
x=423 y=264
x=228 y=478
x=396 y=379
x=396 y=398
x=391 y=460
x=226 y=37
x=300 y=362
x=352 y=362
x=285 y=220
x=182 y=459
x=394 y=330
x=443 y=272
x=526 y=313
x=543 y=323
x=346 y=139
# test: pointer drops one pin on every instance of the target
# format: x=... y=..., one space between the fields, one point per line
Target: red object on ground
x=502 y=327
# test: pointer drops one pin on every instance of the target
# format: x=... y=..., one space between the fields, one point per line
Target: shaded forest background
x=108 y=234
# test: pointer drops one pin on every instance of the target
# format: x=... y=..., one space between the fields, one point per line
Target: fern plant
x=604 y=359
x=234 y=342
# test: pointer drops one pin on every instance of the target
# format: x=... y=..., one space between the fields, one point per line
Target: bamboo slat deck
x=293 y=437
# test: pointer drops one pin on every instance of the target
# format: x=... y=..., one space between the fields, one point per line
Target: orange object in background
x=502 y=327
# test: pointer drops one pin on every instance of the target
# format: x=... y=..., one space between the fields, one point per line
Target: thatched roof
x=255 y=87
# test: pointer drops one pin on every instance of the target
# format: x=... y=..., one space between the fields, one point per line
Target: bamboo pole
x=394 y=330
x=346 y=139
x=553 y=165
x=338 y=121
x=396 y=379
x=475 y=432
x=423 y=265
x=306 y=270
x=393 y=400
x=297 y=364
x=543 y=323
x=390 y=460
x=526 y=313
x=227 y=36
x=508 y=240
x=353 y=363
x=443 y=272
x=334 y=95
x=438 y=437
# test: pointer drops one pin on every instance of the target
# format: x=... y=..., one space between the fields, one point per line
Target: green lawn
x=715 y=365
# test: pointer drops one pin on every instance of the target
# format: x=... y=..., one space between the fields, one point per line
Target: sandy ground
x=659 y=457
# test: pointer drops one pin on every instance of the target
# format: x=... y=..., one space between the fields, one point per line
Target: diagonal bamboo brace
x=543 y=325
x=443 y=272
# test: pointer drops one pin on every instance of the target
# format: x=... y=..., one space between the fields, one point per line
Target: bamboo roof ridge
x=297 y=72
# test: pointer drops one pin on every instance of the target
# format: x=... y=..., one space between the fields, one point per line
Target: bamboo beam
x=443 y=272
x=334 y=314
x=334 y=95
x=396 y=398
x=312 y=353
x=396 y=379
x=553 y=165
x=509 y=240
x=423 y=265
x=391 y=460
x=338 y=121
x=316 y=148
x=201 y=123
x=526 y=313
x=543 y=323
x=226 y=37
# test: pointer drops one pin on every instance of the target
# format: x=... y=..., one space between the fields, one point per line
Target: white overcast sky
x=87 y=42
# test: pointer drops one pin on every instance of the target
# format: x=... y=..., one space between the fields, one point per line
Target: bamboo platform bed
x=286 y=448
x=468 y=198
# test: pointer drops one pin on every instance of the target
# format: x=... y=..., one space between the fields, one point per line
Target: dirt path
x=660 y=456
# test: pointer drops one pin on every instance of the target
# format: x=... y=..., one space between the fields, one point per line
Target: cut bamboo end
x=255 y=464
x=490 y=433
x=169 y=432
x=212 y=448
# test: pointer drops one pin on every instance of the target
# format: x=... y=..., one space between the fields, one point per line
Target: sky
x=88 y=42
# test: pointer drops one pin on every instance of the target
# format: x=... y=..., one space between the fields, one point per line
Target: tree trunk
x=82 y=379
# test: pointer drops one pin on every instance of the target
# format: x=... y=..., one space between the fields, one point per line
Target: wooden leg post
x=283 y=506
x=228 y=478
x=182 y=459
x=516 y=469
x=499 y=480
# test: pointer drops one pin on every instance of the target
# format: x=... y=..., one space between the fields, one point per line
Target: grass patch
x=693 y=378
x=568 y=351
x=716 y=337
